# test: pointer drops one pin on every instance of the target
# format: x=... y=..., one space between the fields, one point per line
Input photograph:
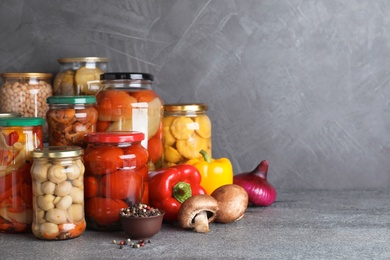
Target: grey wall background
x=303 y=84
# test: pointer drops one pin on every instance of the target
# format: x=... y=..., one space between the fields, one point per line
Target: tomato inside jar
x=128 y=103
x=116 y=176
x=19 y=136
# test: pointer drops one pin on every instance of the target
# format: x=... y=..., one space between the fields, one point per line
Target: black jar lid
x=126 y=75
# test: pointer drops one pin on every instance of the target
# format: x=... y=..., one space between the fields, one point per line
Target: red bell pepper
x=170 y=187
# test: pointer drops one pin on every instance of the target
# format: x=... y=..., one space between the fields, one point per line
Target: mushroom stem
x=201 y=223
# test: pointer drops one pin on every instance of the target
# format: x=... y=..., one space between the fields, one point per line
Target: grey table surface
x=299 y=225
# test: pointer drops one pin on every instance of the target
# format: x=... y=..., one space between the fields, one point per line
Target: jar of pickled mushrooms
x=187 y=131
x=69 y=118
x=79 y=76
x=58 y=192
x=19 y=136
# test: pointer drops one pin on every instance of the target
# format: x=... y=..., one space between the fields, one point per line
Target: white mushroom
x=77 y=195
x=79 y=182
x=64 y=202
x=48 y=187
x=49 y=229
x=56 y=216
x=45 y=202
x=197 y=212
x=56 y=173
x=81 y=166
x=73 y=171
x=37 y=188
x=63 y=188
x=76 y=213
x=39 y=171
x=39 y=216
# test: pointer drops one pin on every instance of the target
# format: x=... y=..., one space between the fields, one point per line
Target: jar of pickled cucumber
x=19 y=136
x=79 y=76
x=187 y=131
x=58 y=192
x=69 y=118
x=128 y=103
x=26 y=93
x=116 y=176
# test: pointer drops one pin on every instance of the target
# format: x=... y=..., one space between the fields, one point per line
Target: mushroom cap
x=232 y=202
x=193 y=206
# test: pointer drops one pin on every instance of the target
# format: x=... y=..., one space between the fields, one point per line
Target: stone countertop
x=299 y=225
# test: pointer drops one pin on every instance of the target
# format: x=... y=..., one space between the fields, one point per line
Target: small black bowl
x=140 y=228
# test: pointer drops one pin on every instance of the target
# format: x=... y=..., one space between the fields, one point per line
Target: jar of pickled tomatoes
x=69 y=118
x=79 y=76
x=128 y=103
x=19 y=137
x=187 y=131
x=58 y=192
x=116 y=176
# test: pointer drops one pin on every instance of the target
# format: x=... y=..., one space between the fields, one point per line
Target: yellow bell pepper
x=214 y=172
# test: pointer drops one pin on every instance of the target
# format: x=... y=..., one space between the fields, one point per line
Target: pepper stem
x=205 y=155
x=182 y=191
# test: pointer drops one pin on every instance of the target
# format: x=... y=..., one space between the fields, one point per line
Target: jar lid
x=82 y=59
x=26 y=75
x=22 y=121
x=71 y=100
x=114 y=137
x=185 y=107
x=58 y=152
x=126 y=75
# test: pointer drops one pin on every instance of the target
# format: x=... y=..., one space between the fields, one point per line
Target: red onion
x=260 y=191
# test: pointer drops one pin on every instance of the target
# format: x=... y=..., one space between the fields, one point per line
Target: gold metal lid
x=185 y=107
x=25 y=75
x=57 y=152
x=82 y=59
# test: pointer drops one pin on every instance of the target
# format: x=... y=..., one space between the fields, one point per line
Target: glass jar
x=128 y=103
x=58 y=192
x=19 y=137
x=79 y=76
x=187 y=131
x=69 y=118
x=116 y=176
x=26 y=93
x=9 y=114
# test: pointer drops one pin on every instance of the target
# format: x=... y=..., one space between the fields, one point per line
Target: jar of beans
x=26 y=93
x=69 y=118
x=116 y=176
x=187 y=131
x=79 y=76
x=58 y=192
x=19 y=136
x=128 y=103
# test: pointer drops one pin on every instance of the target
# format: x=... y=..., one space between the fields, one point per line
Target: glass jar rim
x=26 y=75
x=82 y=59
x=127 y=76
x=114 y=137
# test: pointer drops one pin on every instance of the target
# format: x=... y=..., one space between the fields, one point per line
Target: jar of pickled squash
x=116 y=176
x=187 y=131
x=79 y=76
x=26 y=93
x=58 y=192
x=69 y=118
x=128 y=103
x=19 y=137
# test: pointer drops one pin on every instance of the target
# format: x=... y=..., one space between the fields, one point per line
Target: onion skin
x=260 y=191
